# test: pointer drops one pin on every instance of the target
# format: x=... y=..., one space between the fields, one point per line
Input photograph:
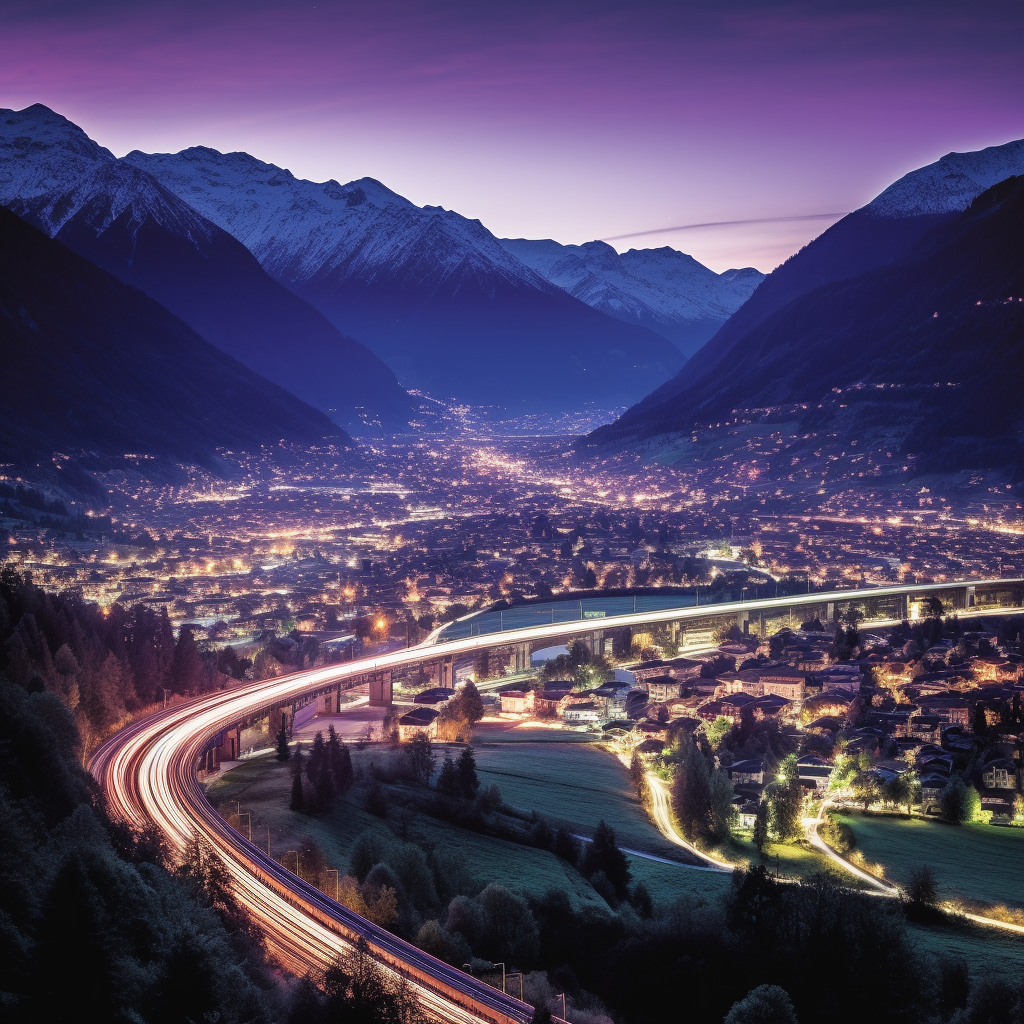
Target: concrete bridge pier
x=521 y=657
x=381 y=690
x=446 y=674
x=229 y=747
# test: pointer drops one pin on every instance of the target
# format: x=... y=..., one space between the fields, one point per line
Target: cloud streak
x=725 y=224
x=557 y=119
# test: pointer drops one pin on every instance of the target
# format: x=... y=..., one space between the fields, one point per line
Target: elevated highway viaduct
x=149 y=770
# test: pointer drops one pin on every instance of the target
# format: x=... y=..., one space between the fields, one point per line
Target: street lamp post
x=296 y=852
x=519 y=975
x=561 y=995
x=334 y=871
x=502 y=966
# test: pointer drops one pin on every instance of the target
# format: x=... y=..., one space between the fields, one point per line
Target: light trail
x=661 y=812
x=149 y=772
x=884 y=888
x=819 y=844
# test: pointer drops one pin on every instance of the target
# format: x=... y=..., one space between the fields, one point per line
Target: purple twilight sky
x=562 y=119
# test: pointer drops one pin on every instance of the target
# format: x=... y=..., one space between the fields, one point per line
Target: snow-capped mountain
x=888 y=233
x=950 y=184
x=877 y=234
x=300 y=230
x=922 y=357
x=435 y=294
x=662 y=289
x=122 y=219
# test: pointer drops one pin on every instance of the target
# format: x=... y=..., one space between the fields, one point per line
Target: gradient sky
x=570 y=120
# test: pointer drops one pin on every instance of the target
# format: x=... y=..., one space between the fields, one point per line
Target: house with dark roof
x=747 y=772
x=419 y=720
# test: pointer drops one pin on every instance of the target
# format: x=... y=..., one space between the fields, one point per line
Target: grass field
x=262 y=788
x=581 y=785
x=510 y=732
x=568 y=783
x=976 y=862
x=573 y=784
x=789 y=860
x=986 y=951
x=666 y=882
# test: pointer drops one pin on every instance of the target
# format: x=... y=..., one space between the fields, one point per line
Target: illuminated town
x=512 y=513
x=418 y=531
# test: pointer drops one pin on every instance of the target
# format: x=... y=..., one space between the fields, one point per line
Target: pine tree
x=323 y=787
x=691 y=793
x=760 y=837
x=603 y=855
x=448 y=781
x=471 y=703
x=468 y=781
x=282 y=741
x=344 y=774
x=317 y=756
x=187 y=664
x=298 y=798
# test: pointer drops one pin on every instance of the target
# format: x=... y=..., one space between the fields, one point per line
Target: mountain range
x=95 y=370
x=435 y=294
x=925 y=346
x=880 y=233
x=662 y=289
x=119 y=217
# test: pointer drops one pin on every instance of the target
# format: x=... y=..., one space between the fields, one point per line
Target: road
x=661 y=812
x=884 y=888
x=149 y=772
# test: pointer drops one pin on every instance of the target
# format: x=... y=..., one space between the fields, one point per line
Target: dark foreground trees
x=89 y=916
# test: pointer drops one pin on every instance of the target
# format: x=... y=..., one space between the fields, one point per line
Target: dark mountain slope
x=88 y=363
x=53 y=175
x=859 y=243
x=940 y=315
x=498 y=342
x=875 y=236
x=433 y=293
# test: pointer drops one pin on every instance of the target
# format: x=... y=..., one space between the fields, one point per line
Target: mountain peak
x=38 y=127
x=950 y=184
x=662 y=289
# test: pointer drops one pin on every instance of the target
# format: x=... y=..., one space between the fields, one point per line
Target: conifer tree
x=448 y=781
x=282 y=741
x=298 y=798
x=468 y=781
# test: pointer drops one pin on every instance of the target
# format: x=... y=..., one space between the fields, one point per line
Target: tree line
x=104 y=665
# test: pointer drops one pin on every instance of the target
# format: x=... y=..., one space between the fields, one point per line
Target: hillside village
x=896 y=717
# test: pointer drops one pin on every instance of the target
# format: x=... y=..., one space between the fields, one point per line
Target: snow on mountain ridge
x=300 y=230
x=950 y=184
x=662 y=288
x=51 y=171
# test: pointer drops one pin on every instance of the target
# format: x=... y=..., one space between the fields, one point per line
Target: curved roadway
x=149 y=772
